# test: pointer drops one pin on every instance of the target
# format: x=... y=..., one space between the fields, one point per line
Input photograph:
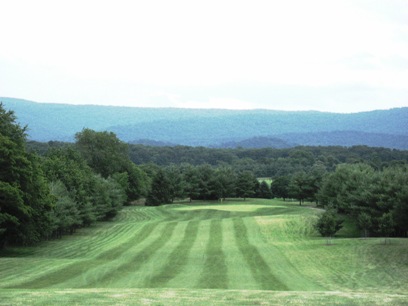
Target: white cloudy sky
x=328 y=55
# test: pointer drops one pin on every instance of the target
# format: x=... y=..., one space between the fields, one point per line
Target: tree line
x=202 y=182
x=68 y=187
x=51 y=189
x=268 y=162
x=377 y=200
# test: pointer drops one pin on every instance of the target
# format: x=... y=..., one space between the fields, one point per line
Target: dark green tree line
x=67 y=188
x=25 y=201
x=376 y=199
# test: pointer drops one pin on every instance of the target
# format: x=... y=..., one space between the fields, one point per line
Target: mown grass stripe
x=177 y=259
x=57 y=276
x=240 y=277
x=111 y=254
x=215 y=273
x=259 y=268
x=93 y=245
x=77 y=268
x=134 y=263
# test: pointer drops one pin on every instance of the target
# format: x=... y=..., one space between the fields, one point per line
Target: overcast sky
x=341 y=56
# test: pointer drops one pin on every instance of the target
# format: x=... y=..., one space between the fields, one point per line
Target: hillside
x=334 y=138
x=214 y=127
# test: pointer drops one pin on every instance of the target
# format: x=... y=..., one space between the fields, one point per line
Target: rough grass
x=254 y=252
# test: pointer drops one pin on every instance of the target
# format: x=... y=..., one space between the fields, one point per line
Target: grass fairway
x=253 y=252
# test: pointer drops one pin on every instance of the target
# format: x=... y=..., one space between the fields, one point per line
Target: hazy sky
x=342 y=56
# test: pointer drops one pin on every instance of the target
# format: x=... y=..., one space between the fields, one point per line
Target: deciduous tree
x=25 y=202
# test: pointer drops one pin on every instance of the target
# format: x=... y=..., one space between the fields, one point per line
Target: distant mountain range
x=214 y=127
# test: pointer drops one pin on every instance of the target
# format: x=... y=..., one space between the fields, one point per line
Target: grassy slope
x=239 y=252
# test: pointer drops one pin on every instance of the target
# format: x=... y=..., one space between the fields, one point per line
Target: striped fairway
x=237 y=252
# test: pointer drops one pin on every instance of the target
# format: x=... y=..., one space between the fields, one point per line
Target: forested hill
x=214 y=127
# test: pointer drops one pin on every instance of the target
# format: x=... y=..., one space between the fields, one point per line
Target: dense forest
x=48 y=189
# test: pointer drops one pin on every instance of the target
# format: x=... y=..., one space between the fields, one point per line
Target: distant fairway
x=252 y=252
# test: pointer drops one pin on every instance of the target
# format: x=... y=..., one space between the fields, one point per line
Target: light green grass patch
x=165 y=296
x=228 y=207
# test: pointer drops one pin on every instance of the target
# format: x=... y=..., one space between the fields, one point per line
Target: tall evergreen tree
x=246 y=185
x=160 y=192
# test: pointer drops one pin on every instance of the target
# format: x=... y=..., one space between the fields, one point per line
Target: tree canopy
x=25 y=201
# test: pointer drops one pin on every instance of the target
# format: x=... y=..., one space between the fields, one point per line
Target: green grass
x=252 y=252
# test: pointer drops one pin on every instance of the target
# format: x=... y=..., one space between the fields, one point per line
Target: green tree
x=138 y=182
x=328 y=225
x=108 y=197
x=191 y=180
x=316 y=176
x=107 y=155
x=365 y=222
x=246 y=184
x=160 y=192
x=299 y=186
x=103 y=151
x=395 y=196
x=65 y=215
x=386 y=225
x=400 y=211
x=223 y=182
x=350 y=188
x=68 y=166
x=25 y=202
x=205 y=186
x=280 y=187
x=177 y=185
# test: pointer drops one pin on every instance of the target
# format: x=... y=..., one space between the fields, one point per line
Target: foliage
x=328 y=224
x=365 y=222
x=280 y=187
x=107 y=155
x=300 y=187
x=370 y=196
x=65 y=215
x=223 y=183
x=96 y=198
x=191 y=178
x=25 y=202
x=247 y=185
x=160 y=192
x=103 y=151
x=176 y=183
x=67 y=166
